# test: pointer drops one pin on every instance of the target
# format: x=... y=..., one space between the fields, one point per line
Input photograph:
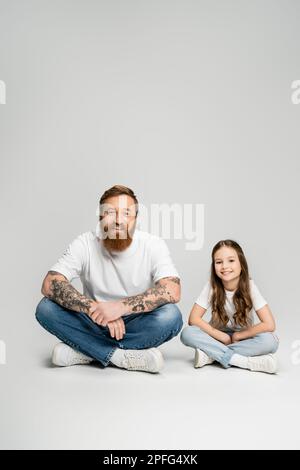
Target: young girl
x=231 y=338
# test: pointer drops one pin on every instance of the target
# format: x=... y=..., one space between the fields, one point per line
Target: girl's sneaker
x=267 y=363
x=201 y=359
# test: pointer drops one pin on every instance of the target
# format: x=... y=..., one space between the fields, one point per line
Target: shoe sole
x=198 y=359
x=160 y=359
x=55 y=355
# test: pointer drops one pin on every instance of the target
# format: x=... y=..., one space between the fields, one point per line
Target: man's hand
x=116 y=328
x=104 y=312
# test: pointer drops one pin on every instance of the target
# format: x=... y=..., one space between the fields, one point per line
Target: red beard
x=117 y=244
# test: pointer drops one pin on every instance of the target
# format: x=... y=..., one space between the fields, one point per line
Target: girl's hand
x=236 y=337
x=224 y=338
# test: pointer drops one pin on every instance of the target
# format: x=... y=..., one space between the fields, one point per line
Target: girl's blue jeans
x=263 y=343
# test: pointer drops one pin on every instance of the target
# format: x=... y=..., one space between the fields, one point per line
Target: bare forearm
x=161 y=294
x=255 y=330
x=63 y=293
x=207 y=328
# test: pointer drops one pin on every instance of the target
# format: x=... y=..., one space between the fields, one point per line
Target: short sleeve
x=161 y=262
x=204 y=297
x=71 y=263
x=258 y=300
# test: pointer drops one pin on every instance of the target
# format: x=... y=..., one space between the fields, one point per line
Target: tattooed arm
x=57 y=288
x=165 y=290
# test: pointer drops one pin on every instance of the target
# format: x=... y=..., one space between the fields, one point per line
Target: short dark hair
x=118 y=190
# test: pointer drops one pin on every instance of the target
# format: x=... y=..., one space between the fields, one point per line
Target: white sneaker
x=201 y=359
x=146 y=360
x=267 y=363
x=63 y=355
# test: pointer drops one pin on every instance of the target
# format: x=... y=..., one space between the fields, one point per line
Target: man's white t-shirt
x=114 y=275
x=258 y=302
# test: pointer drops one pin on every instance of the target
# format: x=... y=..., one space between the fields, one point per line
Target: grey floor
x=85 y=407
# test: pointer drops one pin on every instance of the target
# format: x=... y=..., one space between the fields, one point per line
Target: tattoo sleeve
x=160 y=294
x=63 y=293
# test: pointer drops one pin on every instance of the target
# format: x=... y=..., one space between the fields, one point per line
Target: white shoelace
x=78 y=357
x=135 y=360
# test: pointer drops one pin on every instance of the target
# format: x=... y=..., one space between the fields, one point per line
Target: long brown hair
x=241 y=298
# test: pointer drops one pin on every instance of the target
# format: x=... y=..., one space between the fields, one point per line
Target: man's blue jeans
x=263 y=343
x=143 y=330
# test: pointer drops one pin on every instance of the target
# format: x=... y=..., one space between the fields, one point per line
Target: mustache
x=113 y=226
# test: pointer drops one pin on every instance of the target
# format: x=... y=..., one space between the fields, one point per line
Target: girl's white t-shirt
x=114 y=275
x=258 y=302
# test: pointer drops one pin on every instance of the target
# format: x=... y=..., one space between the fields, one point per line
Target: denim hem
x=225 y=359
x=109 y=355
x=69 y=343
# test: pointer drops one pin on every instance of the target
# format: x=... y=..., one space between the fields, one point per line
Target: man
x=130 y=290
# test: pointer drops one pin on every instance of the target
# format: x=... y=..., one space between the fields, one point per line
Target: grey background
x=184 y=101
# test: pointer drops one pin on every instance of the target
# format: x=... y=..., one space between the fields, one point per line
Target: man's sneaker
x=201 y=359
x=267 y=363
x=63 y=355
x=146 y=360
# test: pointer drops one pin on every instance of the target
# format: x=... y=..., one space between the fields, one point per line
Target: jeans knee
x=183 y=335
x=269 y=341
x=44 y=311
x=176 y=317
x=273 y=342
x=169 y=316
x=186 y=335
